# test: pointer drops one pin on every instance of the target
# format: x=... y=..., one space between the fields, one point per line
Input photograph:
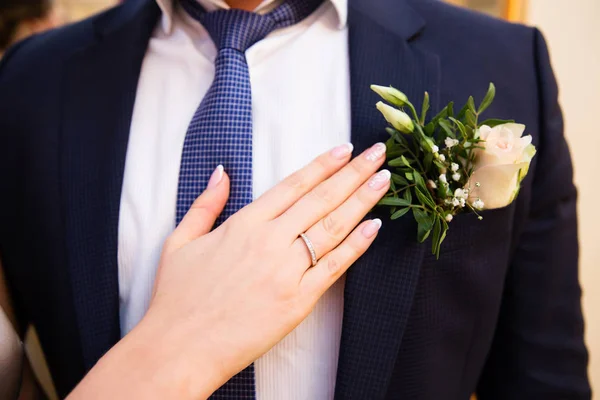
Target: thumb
x=203 y=213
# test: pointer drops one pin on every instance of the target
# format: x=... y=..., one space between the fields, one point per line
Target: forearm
x=153 y=362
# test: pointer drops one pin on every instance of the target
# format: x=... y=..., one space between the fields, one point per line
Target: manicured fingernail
x=371 y=228
x=215 y=178
x=380 y=179
x=342 y=151
x=376 y=152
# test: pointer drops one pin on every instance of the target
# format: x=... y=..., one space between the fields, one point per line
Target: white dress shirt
x=300 y=108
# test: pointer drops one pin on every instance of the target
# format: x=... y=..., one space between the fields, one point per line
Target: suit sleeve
x=538 y=350
x=10 y=159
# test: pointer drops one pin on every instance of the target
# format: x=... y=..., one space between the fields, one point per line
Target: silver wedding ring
x=311 y=249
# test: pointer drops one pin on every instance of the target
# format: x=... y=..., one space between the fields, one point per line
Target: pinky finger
x=334 y=264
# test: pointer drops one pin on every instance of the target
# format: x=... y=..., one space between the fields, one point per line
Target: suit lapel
x=381 y=285
x=100 y=87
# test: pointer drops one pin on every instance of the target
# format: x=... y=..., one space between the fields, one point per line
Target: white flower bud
x=463 y=202
x=460 y=194
x=442 y=158
x=454 y=167
x=451 y=142
x=455 y=202
x=443 y=178
x=478 y=204
x=431 y=184
x=398 y=119
x=429 y=145
x=390 y=94
x=456 y=176
x=449 y=218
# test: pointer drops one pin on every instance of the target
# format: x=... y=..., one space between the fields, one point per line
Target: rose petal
x=503 y=145
x=484 y=131
x=516 y=129
x=525 y=141
x=498 y=184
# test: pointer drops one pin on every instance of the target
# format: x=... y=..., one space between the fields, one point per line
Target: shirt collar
x=168 y=11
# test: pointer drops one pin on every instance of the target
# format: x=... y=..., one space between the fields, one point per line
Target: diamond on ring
x=311 y=249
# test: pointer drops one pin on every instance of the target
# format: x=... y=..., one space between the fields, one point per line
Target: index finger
x=282 y=196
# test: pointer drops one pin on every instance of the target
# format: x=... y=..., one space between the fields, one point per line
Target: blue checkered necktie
x=221 y=129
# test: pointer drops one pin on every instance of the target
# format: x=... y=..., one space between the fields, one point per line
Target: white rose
x=502 y=165
x=398 y=119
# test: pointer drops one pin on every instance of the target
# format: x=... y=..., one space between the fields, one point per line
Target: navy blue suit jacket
x=499 y=313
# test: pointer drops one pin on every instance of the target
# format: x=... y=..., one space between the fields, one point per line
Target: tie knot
x=239 y=29
x=236 y=29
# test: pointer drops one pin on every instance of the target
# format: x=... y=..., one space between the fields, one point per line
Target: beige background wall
x=78 y=9
x=572 y=31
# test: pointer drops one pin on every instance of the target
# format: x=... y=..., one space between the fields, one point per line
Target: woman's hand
x=224 y=298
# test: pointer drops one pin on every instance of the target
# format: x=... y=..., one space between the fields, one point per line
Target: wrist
x=156 y=360
x=180 y=360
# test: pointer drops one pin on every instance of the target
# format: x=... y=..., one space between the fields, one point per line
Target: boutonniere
x=450 y=164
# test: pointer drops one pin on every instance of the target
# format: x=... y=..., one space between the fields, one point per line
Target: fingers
x=318 y=279
x=278 y=199
x=326 y=234
x=331 y=193
x=202 y=215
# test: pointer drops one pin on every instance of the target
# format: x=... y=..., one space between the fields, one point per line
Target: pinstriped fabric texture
x=221 y=130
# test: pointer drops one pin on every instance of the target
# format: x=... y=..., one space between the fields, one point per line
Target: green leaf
x=409 y=176
x=400 y=213
x=399 y=179
x=488 y=99
x=426 y=200
x=423 y=218
x=471 y=105
x=439 y=164
x=405 y=161
x=461 y=113
x=397 y=162
x=425 y=108
x=429 y=129
x=407 y=195
x=390 y=145
x=393 y=201
x=495 y=122
x=395 y=152
x=447 y=128
x=441 y=239
x=427 y=161
x=471 y=118
x=450 y=107
x=419 y=181
x=392 y=186
x=460 y=126
x=422 y=233
x=435 y=239
x=470 y=132
x=425 y=223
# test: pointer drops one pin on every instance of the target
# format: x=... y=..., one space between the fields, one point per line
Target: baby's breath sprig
x=432 y=163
